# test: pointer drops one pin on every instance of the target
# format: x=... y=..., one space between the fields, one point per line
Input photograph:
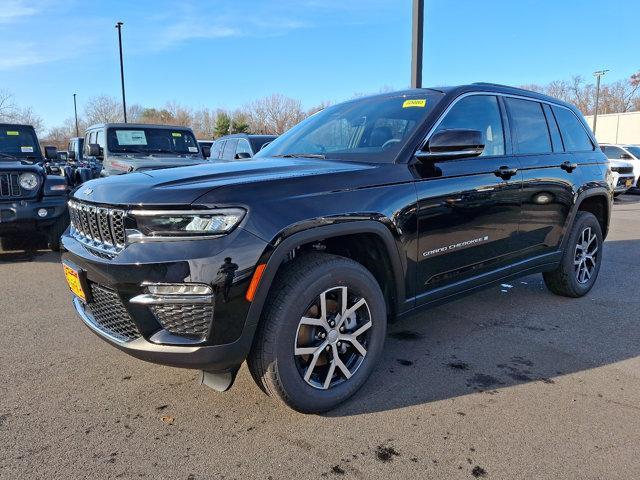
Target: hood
x=183 y=185
x=18 y=165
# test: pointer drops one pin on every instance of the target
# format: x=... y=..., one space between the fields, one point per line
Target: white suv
x=628 y=153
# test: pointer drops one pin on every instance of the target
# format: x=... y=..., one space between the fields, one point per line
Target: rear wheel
x=321 y=333
x=581 y=260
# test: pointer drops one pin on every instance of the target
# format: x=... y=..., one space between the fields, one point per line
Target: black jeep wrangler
x=31 y=200
x=361 y=214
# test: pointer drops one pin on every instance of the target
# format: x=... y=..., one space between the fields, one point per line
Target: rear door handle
x=505 y=172
x=569 y=166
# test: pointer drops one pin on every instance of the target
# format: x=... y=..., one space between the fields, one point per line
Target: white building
x=617 y=127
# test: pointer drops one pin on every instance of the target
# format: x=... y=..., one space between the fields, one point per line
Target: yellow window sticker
x=176 y=134
x=416 y=102
x=12 y=132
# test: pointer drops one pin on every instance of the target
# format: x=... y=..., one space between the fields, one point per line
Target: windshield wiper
x=300 y=155
x=6 y=155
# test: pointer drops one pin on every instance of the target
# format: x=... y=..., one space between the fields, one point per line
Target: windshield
x=367 y=129
x=635 y=151
x=18 y=141
x=151 y=140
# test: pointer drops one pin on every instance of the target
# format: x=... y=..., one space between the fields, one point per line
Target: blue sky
x=224 y=53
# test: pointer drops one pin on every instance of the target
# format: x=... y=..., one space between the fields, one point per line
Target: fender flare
x=274 y=256
x=582 y=196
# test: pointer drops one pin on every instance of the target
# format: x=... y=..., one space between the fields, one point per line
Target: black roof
x=138 y=125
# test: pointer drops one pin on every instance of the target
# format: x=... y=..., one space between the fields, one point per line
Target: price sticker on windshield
x=416 y=102
x=13 y=132
x=26 y=149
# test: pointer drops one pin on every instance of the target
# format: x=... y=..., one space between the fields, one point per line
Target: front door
x=468 y=208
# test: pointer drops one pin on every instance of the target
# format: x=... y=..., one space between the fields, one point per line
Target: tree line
x=277 y=113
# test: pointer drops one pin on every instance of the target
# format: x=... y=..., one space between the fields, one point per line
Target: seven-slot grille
x=9 y=185
x=101 y=228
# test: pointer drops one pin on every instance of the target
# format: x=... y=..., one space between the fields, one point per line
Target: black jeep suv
x=31 y=200
x=361 y=214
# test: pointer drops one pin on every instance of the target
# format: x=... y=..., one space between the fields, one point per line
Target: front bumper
x=22 y=215
x=227 y=341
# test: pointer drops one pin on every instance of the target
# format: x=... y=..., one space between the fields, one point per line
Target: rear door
x=468 y=208
x=550 y=175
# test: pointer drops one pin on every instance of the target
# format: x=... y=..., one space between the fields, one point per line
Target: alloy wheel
x=586 y=255
x=332 y=338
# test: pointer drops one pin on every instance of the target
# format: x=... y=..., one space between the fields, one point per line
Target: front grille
x=109 y=314
x=99 y=228
x=9 y=185
x=622 y=169
x=187 y=320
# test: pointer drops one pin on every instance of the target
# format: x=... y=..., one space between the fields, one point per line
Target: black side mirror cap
x=242 y=155
x=206 y=151
x=95 y=150
x=626 y=156
x=451 y=144
x=71 y=155
x=50 y=153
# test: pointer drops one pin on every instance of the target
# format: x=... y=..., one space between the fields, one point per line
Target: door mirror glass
x=453 y=143
x=72 y=155
x=206 y=151
x=50 y=153
x=242 y=155
x=95 y=150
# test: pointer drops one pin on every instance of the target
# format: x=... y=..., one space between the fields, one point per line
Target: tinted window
x=18 y=141
x=151 y=140
x=529 y=126
x=478 y=112
x=573 y=133
x=229 y=149
x=244 y=147
x=612 y=152
x=556 y=140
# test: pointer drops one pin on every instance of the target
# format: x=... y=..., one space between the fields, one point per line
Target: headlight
x=201 y=223
x=28 y=181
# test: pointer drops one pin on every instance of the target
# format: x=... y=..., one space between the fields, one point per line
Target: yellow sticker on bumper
x=417 y=102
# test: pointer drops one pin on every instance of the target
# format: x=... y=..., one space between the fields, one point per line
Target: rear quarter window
x=573 y=133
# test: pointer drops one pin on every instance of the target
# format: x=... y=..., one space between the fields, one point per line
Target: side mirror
x=242 y=156
x=95 y=150
x=453 y=143
x=50 y=153
x=626 y=156
x=206 y=151
x=72 y=155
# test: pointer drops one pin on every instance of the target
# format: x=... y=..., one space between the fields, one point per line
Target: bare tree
x=274 y=114
x=103 y=109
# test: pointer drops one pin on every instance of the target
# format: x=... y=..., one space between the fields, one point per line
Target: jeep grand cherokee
x=361 y=214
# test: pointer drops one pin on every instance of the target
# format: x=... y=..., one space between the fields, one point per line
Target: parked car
x=239 y=146
x=366 y=212
x=31 y=200
x=628 y=153
x=623 y=177
x=128 y=147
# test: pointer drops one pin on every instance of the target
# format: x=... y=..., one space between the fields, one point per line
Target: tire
x=7 y=244
x=565 y=280
x=297 y=293
x=56 y=230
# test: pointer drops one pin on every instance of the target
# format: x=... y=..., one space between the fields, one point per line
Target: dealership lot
x=511 y=382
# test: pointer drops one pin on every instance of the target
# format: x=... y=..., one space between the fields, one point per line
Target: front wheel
x=321 y=333
x=56 y=230
x=581 y=259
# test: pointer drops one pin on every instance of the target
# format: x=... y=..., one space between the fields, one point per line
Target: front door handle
x=505 y=172
x=569 y=166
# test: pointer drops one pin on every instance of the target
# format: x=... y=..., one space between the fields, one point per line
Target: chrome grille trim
x=98 y=228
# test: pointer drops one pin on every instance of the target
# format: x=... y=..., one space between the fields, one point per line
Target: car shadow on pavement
x=31 y=249
x=506 y=335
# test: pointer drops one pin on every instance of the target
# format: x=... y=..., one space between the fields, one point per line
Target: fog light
x=179 y=289
x=42 y=212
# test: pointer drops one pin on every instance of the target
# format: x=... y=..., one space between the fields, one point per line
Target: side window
x=87 y=141
x=244 y=147
x=100 y=138
x=229 y=149
x=556 y=140
x=216 y=149
x=478 y=112
x=612 y=152
x=529 y=126
x=573 y=133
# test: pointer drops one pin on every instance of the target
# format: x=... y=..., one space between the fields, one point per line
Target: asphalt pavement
x=511 y=383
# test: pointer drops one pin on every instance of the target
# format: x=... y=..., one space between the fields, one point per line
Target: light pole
x=597 y=74
x=124 y=102
x=75 y=111
x=417 y=43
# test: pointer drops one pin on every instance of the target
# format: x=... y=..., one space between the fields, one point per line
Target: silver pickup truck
x=129 y=147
